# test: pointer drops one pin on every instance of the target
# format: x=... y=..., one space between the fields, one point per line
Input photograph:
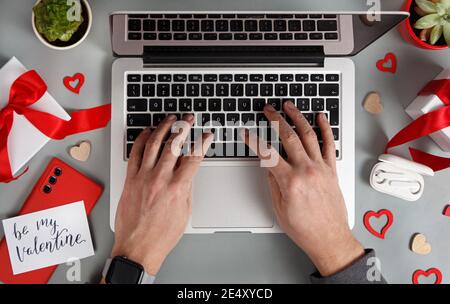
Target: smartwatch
x=121 y=270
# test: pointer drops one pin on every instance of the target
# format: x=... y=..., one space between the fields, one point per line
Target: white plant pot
x=61 y=48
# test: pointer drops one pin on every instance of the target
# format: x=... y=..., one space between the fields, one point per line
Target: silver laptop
x=223 y=67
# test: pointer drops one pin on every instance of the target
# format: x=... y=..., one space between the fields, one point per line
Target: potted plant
x=61 y=24
x=429 y=24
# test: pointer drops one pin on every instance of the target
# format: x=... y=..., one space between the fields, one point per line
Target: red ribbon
x=427 y=124
x=25 y=91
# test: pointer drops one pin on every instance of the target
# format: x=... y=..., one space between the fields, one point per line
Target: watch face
x=124 y=271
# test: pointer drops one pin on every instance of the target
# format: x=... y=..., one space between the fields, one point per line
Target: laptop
x=223 y=67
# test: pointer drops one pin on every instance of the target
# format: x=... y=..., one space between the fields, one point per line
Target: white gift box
x=25 y=140
x=425 y=104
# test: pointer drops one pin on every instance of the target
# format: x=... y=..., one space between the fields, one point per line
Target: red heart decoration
x=427 y=273
x=379 y=234
x=447 y=211
x=69 y=83
x=388 y=64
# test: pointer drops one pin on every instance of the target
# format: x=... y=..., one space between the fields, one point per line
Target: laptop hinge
x=299 y=55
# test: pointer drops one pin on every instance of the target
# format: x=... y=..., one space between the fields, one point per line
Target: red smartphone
x=59 y=185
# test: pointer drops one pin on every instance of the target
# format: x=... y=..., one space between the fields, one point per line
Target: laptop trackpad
x=232 y=197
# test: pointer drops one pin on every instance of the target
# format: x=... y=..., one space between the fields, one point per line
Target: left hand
x=156 y=203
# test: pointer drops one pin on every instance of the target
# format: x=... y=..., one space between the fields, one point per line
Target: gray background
x=241 y=258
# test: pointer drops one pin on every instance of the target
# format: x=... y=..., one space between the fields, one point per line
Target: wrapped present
x=24 y=139
x=434 y=96
x=30 y=117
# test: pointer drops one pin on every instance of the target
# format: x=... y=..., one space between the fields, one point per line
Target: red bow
x=25 y=91
x=426 y=125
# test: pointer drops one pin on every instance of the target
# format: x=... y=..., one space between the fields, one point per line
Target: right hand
x=307 y=200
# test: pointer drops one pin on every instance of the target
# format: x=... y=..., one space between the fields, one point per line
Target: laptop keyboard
x=226 y=101
x=243 y=28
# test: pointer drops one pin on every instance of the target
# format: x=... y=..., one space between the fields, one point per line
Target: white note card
x=49 y=237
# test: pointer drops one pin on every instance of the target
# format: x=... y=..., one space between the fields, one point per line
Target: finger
x=290 y=140
x=267 y=154
x=304 y=130
x=135 y=159
x=154 y=143
x=190 y=164
x=173 y=147
x=329 y=148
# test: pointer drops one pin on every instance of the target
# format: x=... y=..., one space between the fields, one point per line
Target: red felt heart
x=418 y=273
x=74 y=83
x=447 y=211
x=388 y=64
x=384 y=212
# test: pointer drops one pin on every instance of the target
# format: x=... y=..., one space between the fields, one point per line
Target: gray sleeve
x=363 y=271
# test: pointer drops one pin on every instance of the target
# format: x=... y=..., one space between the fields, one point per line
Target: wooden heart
x=419 y=244
x=388 y=63
x=81 y=152
x=384 y=212
x=447 y=211
x=372 y=103
x=74 y=83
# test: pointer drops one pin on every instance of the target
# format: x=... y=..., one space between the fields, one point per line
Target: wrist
x=151 y=261
x=338 y=256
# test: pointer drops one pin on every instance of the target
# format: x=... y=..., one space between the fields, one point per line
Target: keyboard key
x=315 y=16
x=156 y=105
x=226 y=77
x=241 y=77
x=257 y=77
x=222 y=89
x=157 y=119
x=226 y=36
x=287 y=77
x=317 y=77
x=214 y=105
x=309 y=117
x=329 y=90
x=333 y=108
x=237 y=25
x=137 y=16
x=233 y=119
x=327 y=25
x=226 y=134
x=248 y=119
x=133 y=90
x=138 y=120
x=331 y=36
x=229 y=105
x=180 y=78
x=300 y=36
x=275 y=102
x=265 y=26
x=208 y=90
x=303 y=104
x=256 y=36
x=271 y=77
x=137 y=105
x=195 y=36
x=261 y=119
x=335 y=133
x=195 y=78
x=332 y=77
x=149 y=25
x=207 y=26
x=148 y=90
x=163 y=25
x=302 y=77
x=134 y=36
x=318 y=104
x=316 y=36
x=165 y=36
x=237 y=90
x=170 y=105
x=149 y=78
x=134 y=25
x=165 y=78
x=163 y=90
x=134 y=78
x=180 y=36
x=200 y=105
x=210 y=77
x=251 y=89
x=294 y=25
x=280 y=25
x=309 y=25
x=150 y=36
x=251 y=25
x=244 y=104
x=295 y=89
x=270 y=36
x=185 y=105
x=259 y=104
x=281 y=89
x=132 y=134
x=193 y=26
x=266 y=89
x=204 y=119
x=328 y=16
x=193 y=90
x=286 y=36
x=240 y=36
x=310 y=89
x=178 y=25
x=218 y=119
x=209 y=36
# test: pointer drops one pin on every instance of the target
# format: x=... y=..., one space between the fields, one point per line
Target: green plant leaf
x=427 y=21
x=446 y=30
x=445 y=4
x=436 y=34
x=427 y=6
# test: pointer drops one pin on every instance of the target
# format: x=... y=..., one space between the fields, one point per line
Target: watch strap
x=145 y=279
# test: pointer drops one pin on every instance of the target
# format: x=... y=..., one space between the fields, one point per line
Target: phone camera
x=58 y=172
x=47 y=189
x=52 y=180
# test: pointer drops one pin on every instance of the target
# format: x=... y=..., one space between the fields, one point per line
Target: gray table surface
x=241 y=258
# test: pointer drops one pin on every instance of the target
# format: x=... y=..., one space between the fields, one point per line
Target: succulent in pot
x=62 y=24
x=434 y=21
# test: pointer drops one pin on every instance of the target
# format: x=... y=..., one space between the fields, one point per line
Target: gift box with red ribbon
x=30 y=117
x=434 y=96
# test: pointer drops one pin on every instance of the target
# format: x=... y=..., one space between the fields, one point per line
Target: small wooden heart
x=81 y=152
x=372 y=103
x=419 y=244
x=447 y=211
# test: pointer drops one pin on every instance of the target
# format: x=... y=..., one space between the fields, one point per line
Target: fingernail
x=270 y=108
x=189 y=117
x=290 y=105
x=171 y=117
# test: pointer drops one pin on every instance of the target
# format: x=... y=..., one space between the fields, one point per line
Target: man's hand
x=157 y=199
x=306 y=196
